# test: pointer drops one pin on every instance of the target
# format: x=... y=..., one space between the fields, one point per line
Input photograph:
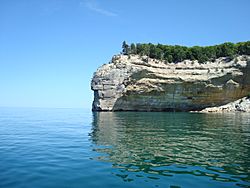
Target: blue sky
x=49 y=49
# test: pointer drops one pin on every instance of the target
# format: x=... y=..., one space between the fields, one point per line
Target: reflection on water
x=192 y=149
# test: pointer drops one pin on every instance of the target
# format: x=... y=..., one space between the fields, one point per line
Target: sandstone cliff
x=134 y=83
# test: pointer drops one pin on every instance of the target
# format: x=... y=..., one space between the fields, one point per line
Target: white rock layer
x=241 y=105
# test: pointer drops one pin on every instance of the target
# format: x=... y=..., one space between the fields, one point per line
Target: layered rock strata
x=134 y=83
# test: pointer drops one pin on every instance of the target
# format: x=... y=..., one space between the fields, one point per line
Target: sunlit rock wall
x=134 y=83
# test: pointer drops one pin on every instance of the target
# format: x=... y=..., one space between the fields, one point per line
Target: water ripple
x=75 y=148
x=168 y=144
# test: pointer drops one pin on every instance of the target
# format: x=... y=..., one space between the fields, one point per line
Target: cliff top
x=187 y=70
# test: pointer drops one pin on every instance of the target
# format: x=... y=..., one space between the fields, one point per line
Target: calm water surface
x=78 y=148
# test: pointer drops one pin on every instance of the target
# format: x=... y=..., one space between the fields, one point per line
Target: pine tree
x=125 y=48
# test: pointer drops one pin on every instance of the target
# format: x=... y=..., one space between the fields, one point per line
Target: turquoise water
x=78 y=148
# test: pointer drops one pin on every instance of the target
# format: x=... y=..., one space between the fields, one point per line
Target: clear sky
x=49 y=49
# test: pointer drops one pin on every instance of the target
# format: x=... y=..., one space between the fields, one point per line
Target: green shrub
x=179 y=53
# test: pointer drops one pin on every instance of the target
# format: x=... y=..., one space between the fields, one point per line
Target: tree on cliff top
x=125 y=48
x=179 y=53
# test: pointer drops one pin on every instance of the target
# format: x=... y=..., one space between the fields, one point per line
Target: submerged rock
x=134 y=83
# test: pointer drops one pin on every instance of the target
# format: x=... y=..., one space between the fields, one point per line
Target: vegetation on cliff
x=179 y=53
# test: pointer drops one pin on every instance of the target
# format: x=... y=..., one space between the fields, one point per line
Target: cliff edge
x=140 y=83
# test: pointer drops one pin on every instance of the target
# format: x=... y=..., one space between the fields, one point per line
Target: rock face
x=134 y=83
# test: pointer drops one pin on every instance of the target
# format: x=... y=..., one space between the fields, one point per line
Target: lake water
x=78 y=148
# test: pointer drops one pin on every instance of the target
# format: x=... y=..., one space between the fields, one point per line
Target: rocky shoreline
x=241 y=105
